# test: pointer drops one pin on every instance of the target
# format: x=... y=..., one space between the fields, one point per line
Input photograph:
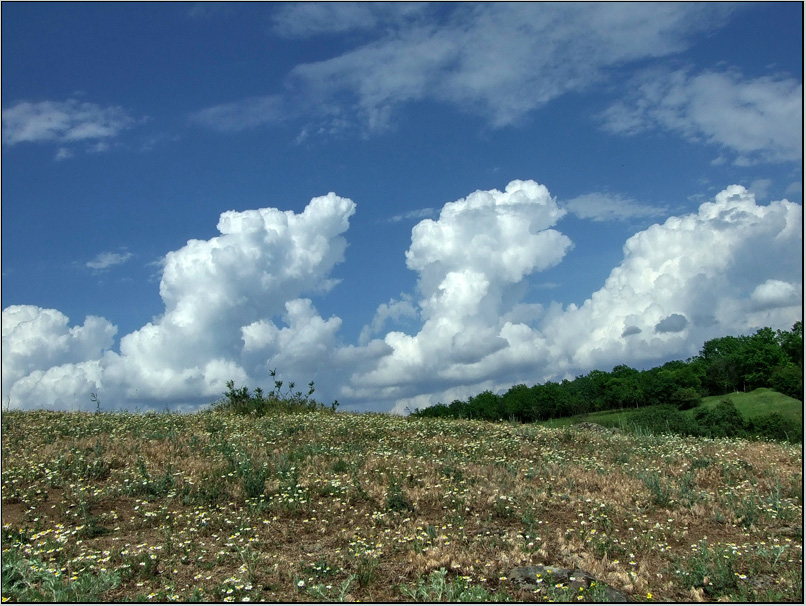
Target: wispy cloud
x=599 y=206
x=305 y=19
x=244 y=114
x=63 y=122
x=105 y=260
x=420 y=213
x=499 y=60
x=757 y=119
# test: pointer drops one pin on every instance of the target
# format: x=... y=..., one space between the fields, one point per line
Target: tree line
x=767 y=358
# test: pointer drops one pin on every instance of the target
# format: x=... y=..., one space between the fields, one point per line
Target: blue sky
x=519 y=193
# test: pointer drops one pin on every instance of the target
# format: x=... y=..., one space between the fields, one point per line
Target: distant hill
x=761 y=401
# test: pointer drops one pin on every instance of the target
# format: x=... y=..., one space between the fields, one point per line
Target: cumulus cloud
x=599 y=206
x=472 y=264
x=776 y=293
x=239 y=304
x=393 y=310
x=224 y=299
x=687 y=280
x=757 y=119
x=681 y=282
x=63 y=122
x=37 y=341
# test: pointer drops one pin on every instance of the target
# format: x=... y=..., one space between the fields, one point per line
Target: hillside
x=761 y=401
x=329 y=507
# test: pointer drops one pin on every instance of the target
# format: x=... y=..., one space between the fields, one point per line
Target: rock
x=527 y=577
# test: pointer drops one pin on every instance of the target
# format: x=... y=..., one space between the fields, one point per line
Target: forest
x=768 y=358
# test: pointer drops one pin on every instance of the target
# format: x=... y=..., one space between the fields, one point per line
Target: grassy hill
x=344 y=507
x=750 y=404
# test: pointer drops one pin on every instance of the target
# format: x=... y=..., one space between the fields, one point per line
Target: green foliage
x=775 y=427
x=685 y=398
x=727 y=364
x=722 y=421
x=710 y=569
x=660 y=420
x=438 y=588
x=788 y=380
x=30 y=580
x=240 y=402
x=395 y=499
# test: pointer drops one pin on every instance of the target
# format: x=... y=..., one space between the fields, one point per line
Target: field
x=750 y=404
x=345 y=507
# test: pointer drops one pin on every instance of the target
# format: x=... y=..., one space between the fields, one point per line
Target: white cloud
x=777 y=293
x=420 y=213
x=105 y=260
x=394 y=310
x=759 y=120
x=36 y=340
x=63 y=122
x=237 y=305
x=760 y=188
x=730 y=268
x=315 y=18
x=794 y=189
x=701 y=267
x=607 y=207
x=472 y=264
x=497 y=60
x=244 y=114
x=222 y=297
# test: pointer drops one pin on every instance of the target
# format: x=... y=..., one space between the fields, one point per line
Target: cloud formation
x=105 y=260
x=68 y=121
x=599 y=206
x=40 y=352
x=239 y=304
x=499 y=60
x=759 y=120
x=222 y=297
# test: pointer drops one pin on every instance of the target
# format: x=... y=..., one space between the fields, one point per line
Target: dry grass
x=356 y=507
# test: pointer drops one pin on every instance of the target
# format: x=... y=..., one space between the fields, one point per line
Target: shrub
x=240 y=402
x=775 y=427
x=722 y=421
x=685 y=398
x=661 y=420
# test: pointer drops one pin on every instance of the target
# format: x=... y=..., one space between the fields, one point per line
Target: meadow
x=325 y=506
x=750 y=404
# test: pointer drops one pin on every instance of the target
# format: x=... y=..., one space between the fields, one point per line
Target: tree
x=792 y=343
x=720 y=359
x=759 y=357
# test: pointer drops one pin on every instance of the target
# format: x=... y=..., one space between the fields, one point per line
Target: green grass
x=750 y=404
x=760 y=402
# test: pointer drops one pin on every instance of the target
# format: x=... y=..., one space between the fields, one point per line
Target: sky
x=404 y=203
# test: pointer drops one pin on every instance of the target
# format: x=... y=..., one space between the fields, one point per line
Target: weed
x=31 y=580
x=438 y=588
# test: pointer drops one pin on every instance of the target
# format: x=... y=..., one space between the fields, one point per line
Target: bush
x=722 y=421
x=775 y=427
x=685 y=398
x=240 y=402
x=662 y=419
